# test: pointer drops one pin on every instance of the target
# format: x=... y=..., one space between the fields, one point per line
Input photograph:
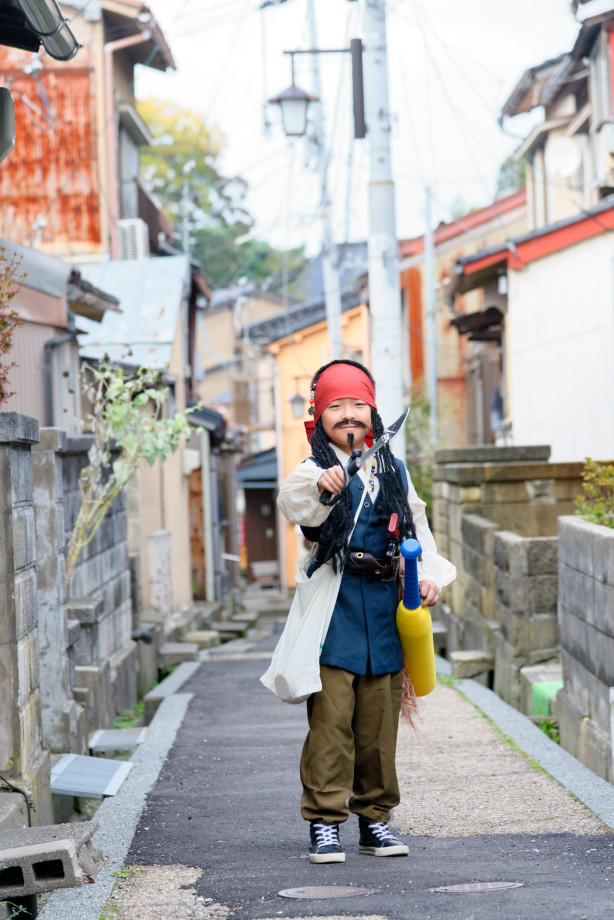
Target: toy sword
x=358 y=458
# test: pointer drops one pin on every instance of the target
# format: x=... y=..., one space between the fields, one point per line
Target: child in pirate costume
x=349 y=752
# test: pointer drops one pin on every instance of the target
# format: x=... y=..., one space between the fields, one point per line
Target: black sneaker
x=376 y=839
x=325 y=846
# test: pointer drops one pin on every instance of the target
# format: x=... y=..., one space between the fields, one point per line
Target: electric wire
x=21 y=792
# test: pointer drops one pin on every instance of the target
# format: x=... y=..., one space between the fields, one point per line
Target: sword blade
x=387 y=435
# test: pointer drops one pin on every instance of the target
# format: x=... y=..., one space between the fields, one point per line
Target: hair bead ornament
x=312 y=396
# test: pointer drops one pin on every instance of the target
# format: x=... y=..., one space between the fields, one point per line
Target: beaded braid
x=336 y=529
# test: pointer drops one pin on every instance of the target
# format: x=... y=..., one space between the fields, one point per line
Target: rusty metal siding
x=52 y=173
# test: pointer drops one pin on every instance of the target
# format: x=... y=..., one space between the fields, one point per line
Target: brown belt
x=361 y=563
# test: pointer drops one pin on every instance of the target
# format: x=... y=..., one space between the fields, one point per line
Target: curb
x=590 y=789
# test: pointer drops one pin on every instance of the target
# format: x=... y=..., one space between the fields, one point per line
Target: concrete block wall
x=22 y=757
x=513 y=488
x=99 y=600
x=63 y=720
x=526 y=587
x=586 y=622
x=478 y=586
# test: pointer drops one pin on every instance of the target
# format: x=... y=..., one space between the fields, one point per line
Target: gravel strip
x=459 y=777
x=160 y=892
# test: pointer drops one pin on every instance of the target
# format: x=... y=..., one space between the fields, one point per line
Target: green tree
x=512 y=176
x=186 y=152
x=186 y=148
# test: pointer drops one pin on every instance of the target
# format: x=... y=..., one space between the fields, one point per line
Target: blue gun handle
x=411 y=549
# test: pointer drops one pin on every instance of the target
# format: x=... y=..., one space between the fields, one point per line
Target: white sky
x=452 y=63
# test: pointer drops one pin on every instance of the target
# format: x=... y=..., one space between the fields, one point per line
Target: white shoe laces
x=326 y=834
x=381 y=830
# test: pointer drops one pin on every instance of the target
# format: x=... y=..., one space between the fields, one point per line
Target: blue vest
x=362 y=637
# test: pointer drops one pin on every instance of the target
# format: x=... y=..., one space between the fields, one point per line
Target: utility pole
x=429 y=283
x=330 y=268
x=384 y=280
x=185 y=207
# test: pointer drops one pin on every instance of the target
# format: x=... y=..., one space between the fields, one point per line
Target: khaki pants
x=350 y=748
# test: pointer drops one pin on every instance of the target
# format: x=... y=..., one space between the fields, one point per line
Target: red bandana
x=341 y=381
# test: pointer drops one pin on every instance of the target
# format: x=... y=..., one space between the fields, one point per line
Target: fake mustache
x=350 y=421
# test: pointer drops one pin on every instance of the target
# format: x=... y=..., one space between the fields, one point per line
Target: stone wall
x=525 y=570
x=22 y=758
x=99 y=600
x=586 y=621
x=63 y=719
x=512 y=489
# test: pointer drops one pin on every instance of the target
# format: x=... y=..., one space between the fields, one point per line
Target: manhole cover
x=480 y=886
x=324 y=891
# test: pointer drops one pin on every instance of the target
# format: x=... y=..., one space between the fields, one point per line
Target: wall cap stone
x=17 y=428
x=482 y=453
x=52 y=439
x=473 y=473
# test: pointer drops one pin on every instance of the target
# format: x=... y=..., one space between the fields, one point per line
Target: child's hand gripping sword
x=415 y=626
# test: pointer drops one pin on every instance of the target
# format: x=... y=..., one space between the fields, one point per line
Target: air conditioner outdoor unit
x=133 y=238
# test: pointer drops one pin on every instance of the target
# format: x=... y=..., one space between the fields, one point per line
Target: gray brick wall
x=21 y=753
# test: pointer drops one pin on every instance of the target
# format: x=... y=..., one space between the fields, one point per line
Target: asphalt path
x=227 y=801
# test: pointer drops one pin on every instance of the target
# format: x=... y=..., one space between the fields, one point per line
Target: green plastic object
x=542 y=692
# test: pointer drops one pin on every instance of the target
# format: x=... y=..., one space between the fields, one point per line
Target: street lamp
x=294 y=103
x=298 y=405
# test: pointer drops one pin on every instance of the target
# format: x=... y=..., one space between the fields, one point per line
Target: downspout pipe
x=52 y=344
x=111 y=130
x=46 y=20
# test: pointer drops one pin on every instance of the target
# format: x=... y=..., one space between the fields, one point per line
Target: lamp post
x=294 y=103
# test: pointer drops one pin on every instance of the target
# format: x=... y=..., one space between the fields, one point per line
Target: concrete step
x=232 y=629
x=471 y=662
x=167 y=687
x=173 y=653
x=203 y=638
x=246 y=616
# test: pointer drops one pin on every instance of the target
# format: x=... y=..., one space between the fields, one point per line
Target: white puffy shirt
x=299 y=502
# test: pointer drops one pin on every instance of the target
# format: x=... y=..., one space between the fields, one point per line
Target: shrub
x=597 y=504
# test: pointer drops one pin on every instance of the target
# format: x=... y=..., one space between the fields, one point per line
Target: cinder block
x=124 y=677
x=543 y=593
x=542 y=556
x=39 y=859
x=85 y=609
x=25 y=601
x=478 y=533
x=24 y=542
x=576 y=592
x=512 y=591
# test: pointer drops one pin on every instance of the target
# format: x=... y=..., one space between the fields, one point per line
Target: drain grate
x=325 y=891
x=480 y=886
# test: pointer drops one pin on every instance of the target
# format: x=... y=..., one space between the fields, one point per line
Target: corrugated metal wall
x=51 y=175
x=26 y=380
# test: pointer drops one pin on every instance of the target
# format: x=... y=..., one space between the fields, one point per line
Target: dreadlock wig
x=335 y=532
